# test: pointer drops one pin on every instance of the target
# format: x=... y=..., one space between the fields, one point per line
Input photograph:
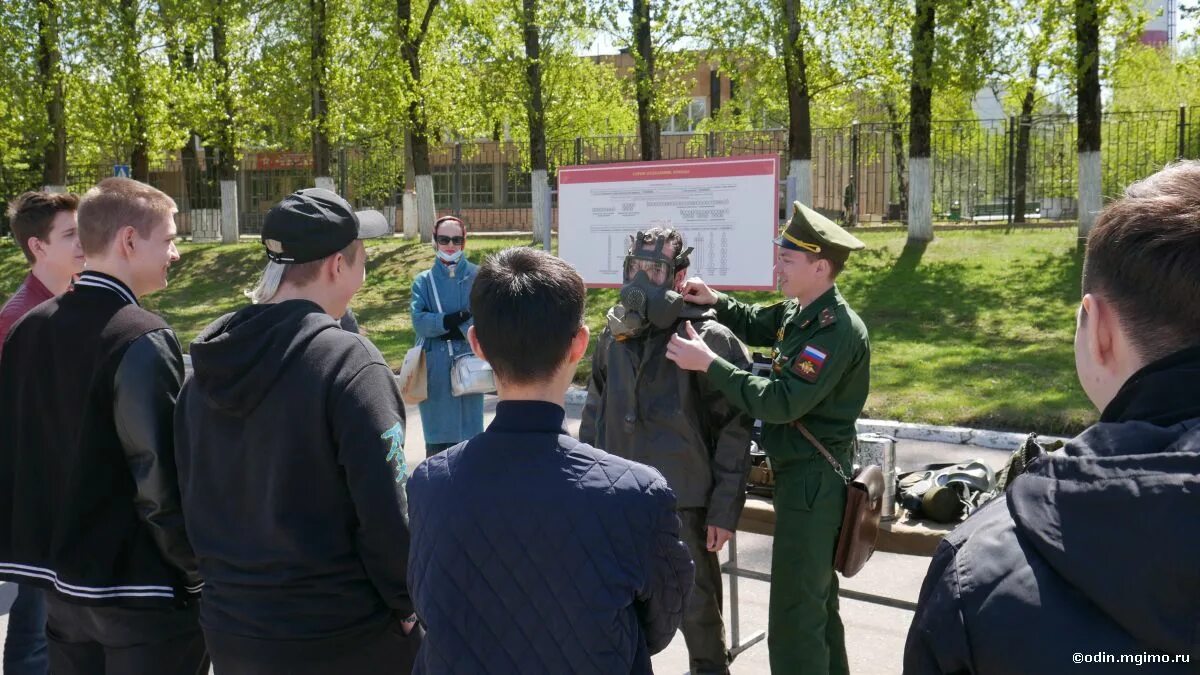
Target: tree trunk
x=318 y=114
x=139 y=158
x=795 y=68
x=1087 y=70
x=920 y=197
x=539 y=186
x=227 y=131
x=1021 y=175
x=649 y=130
x=54 y=163
x=410 y=50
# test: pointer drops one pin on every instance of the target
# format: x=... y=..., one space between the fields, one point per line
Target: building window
x=686 y=120
x=477 y=185
x=517 y=186
x=443 y=186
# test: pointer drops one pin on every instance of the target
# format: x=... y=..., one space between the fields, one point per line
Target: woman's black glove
x=453 y=321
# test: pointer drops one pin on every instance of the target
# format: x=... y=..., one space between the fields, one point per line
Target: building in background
x=1160 y=30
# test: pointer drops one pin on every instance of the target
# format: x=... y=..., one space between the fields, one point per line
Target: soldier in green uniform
x=820 y=377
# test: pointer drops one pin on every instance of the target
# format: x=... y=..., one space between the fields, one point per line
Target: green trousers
x=805 y=634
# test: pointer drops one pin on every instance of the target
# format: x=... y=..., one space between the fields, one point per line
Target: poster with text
x=726 y=209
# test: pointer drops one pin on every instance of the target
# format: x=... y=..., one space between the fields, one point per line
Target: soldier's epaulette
x=828 y=317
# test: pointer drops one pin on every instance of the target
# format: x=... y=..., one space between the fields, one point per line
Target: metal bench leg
x=737 y=646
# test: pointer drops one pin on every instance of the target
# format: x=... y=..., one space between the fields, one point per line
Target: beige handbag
x=414 y=381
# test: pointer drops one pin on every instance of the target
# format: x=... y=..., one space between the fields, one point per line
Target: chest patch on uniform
x=809 y=362
x=828 y=316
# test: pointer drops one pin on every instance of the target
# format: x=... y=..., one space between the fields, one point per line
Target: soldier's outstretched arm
x=804 y=380
x=756 y=325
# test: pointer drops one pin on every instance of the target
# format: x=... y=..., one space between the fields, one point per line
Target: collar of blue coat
x=528 y=417
x=462 y=269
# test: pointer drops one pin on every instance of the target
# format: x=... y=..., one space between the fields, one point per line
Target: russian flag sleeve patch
x=809 y=362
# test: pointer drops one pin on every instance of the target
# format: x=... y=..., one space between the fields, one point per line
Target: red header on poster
x=754 y=165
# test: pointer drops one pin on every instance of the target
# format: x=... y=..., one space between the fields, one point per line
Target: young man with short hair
x=290 y=439
x=43 y=224
x=532 y=552
x=1090 y=556
x=88 y=387
x=640 y=406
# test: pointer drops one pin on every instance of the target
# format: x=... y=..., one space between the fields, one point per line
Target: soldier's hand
x=717 y=536
x=690 y=353
x=697 y=292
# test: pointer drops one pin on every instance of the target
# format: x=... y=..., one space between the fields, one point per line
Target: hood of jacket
x=1115 y=513
x=239 y=357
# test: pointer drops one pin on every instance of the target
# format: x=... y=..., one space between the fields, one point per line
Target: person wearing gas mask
x=642 y=407
x=816 y=390
x=441 y=314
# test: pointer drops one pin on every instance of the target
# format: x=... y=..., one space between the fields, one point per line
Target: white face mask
x=450 y=258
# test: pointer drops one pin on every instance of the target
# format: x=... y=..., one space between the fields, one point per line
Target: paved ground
x=874 y=633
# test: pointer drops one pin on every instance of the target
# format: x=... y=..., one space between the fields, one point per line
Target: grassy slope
x=974 y=330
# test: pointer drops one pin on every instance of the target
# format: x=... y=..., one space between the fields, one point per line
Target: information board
x=726 y=209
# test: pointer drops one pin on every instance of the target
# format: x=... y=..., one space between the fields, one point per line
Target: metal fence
x=1002 y=170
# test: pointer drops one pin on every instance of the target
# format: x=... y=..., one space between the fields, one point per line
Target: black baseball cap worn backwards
x=314 y=223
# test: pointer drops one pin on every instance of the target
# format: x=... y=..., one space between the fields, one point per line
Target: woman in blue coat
x=446 y=419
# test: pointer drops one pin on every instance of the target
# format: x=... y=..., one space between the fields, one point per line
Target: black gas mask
x=648 y=297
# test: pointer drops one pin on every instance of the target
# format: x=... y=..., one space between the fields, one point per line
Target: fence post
x=342 y=172
x=711 y=144
x=850 y=201
x=578 y=150
x=1010 y=174
x=1182 y=145
x=456 y=197
x=547 y=207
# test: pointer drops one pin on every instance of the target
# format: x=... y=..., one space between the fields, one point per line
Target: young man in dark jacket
x=642 y=407
x=532 y=552
x=1091 y=556
x=87 y=462
x=44 y=226
x=290 y=438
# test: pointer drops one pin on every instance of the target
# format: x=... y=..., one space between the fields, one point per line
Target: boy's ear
x=474 y=342
x=579 y=344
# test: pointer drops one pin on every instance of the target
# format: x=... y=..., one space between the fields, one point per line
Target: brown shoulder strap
x=820 y=448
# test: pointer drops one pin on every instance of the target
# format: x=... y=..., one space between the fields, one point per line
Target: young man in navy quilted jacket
x=532 y=552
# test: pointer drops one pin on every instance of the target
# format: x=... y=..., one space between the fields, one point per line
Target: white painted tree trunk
x=1090 y=190
x=408 y=206
x=802 y=170
x=541 y=214
x=920 y=200
x=426 y=210
x=325 y=183
x=54 y=189
x=229 y=212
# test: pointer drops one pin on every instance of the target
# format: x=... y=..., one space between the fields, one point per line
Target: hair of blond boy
x=115 y=203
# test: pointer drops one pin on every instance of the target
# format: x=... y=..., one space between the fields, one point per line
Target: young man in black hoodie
x=1091 y=556
x=290 y=440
